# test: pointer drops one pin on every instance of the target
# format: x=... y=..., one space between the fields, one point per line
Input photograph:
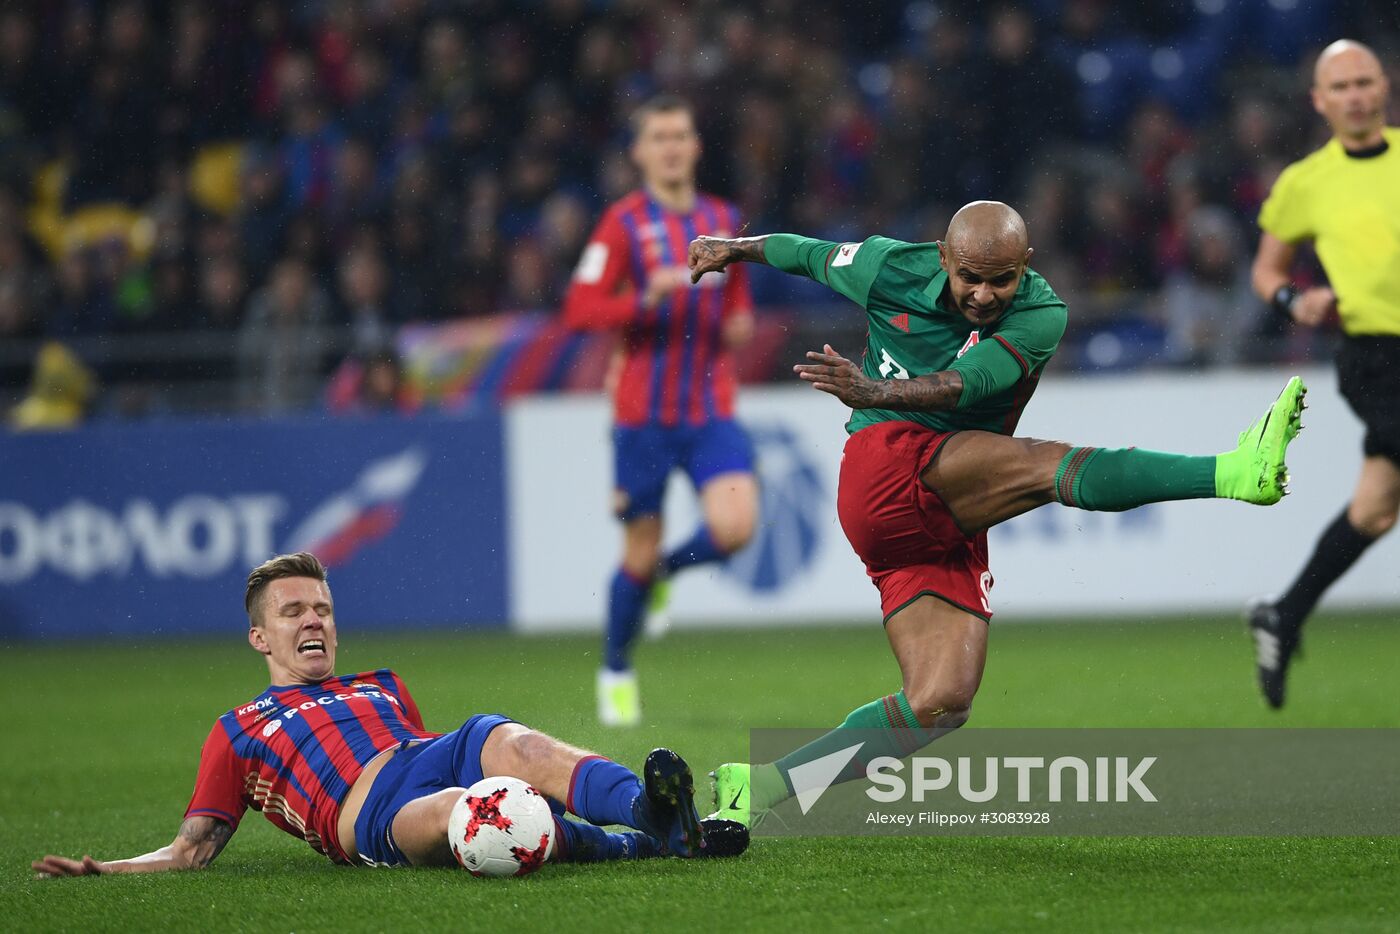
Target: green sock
x=892 y=714
x=1111 y=480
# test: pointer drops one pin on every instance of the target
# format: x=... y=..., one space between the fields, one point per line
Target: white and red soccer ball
x=501 y=827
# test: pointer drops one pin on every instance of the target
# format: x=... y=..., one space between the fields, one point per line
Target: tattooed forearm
x=747 y=249
x=827 y=371
x=934 y=392
x=713 y=254
x=204 y=839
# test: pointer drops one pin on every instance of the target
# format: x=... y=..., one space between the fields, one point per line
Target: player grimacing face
x=296 y=631
x=1350 y=93
x=667 y=148
x=982 y=284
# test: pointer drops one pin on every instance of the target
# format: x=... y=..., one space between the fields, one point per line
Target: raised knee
x=1381 y=524
x=525 y=746
x=940 y=707
x=1375 y=524
x=1372 y=521
x=732 y=535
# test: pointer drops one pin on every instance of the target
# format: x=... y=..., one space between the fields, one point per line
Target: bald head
x=988 y=231
x=985 y=256
x=1350 y=92
x=1344 y=54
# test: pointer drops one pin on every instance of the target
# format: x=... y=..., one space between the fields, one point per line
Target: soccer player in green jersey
x=959 y=333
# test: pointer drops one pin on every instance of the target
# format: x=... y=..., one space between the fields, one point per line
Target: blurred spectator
x=527 y=280
x=370 y=385
x=1026 y=89
x=563 y=229
x=356 y=198
x=1114 y=258
x=84 y=303
x=222 y=286
x=283 y=346
x=1207 y=305
x=23 y=285
x=369 y=95
x=433 y=160
x=364 y=287
x=59 y=394
x=264 y=213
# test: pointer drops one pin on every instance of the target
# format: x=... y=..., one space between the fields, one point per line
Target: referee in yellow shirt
x=1346 y=199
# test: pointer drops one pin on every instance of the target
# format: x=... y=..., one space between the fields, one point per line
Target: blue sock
x=626 y=602
x=603 y=792
x=585 y=843
x=701 y=549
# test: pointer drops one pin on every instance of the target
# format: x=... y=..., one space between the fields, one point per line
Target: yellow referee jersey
x=1350 y=208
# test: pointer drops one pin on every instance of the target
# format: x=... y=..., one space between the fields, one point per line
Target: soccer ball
x=501 y=827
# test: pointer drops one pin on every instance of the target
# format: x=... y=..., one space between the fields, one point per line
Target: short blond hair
x=301 y=564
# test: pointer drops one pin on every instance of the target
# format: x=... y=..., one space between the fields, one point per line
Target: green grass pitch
x=101 y=745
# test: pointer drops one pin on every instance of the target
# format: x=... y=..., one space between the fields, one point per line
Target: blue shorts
x=644 y=457
x=450 y=761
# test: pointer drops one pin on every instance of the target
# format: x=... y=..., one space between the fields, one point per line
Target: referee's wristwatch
x=1284 y=299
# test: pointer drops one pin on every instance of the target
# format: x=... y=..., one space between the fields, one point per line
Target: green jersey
x=915 y=331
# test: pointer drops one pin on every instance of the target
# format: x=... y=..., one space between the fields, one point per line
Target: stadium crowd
x=271 y=171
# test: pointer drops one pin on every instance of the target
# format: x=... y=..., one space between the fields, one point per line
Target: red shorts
x=901 y=530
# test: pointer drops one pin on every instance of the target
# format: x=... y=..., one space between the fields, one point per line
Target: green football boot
x=619 y=698
x=658 y=618
x=1255 y=471
x=732 y=793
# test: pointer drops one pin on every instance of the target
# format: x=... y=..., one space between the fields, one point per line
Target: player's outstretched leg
x=585 y=843
x=576 y=842
x=419 y=836
x=1255 y=471
x=984 y=478
x=596 y=789
x=729 y=501
x=941 y=651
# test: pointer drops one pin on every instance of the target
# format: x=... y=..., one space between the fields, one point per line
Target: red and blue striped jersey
x=676 y=369
x=293 y=752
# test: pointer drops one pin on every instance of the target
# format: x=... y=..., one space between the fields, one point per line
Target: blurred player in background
x=674 y=381
x=1346 y=199
x=345 y=763
x=959 y=332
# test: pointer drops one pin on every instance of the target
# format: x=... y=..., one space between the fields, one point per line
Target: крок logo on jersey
x=791 y=497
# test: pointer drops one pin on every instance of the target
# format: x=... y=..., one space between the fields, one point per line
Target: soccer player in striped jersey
x=959 y=332
x=674 y=381
x=345 y=762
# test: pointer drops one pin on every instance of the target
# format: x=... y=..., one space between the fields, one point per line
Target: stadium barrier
x=479 y=520
x=1055 y=561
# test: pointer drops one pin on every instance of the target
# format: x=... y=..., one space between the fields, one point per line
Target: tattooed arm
x=200 y=840
x=832 y=373
x=712 y=254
